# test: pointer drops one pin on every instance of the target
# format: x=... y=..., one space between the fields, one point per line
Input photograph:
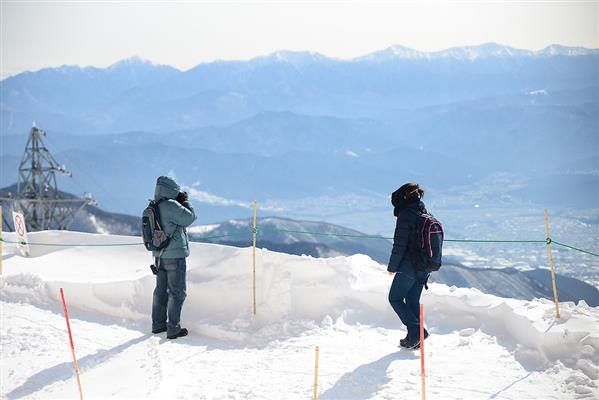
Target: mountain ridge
x=483 y=50
x=135 y=94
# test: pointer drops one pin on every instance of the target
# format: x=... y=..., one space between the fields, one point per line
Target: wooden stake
x=254 y=256
x=316 y=375
x=75 y=366
x=552 y=267
x=422 y=350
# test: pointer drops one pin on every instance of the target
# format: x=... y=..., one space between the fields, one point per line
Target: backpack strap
x=157 y=210
x=419 y=213
x=158 y=220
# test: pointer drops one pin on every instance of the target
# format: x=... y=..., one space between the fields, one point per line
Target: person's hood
x=417 y=205
x=166 y=188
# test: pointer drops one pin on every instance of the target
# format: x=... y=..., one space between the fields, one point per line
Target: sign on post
x=21 y=231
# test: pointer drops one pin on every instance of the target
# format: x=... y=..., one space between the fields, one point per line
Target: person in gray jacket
x=176 y=213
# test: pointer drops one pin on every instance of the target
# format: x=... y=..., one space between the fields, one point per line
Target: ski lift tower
x=43 y=206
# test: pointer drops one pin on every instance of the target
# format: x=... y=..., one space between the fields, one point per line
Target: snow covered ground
x=481 y=346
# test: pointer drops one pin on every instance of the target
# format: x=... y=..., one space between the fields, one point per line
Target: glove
x=182 y=197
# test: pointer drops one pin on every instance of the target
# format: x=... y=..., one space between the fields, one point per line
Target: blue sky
x=37 y=34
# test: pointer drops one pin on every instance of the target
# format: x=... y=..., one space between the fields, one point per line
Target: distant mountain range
x=136 y=95
x=315 y=138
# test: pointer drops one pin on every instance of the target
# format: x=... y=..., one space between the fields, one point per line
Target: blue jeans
x=404 y=297
x=169 y=295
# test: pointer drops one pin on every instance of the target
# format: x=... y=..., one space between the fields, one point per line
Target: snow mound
x=295 y=295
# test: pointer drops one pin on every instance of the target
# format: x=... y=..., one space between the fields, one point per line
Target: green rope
x=492 y=241
x=390 y=238
x=194 y=239
x=70 y=244
x=574 y=248
x=259 y=228
x=98 y=244
x=547 y=241
x=208 y=238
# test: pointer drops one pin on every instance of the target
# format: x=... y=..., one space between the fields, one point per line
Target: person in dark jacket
x=408 y=282
x=176 y=213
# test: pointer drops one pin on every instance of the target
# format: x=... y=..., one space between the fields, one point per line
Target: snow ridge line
x=448 y=310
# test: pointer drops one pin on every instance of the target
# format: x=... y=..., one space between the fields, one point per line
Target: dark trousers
x=169 y=294
x=404 y=297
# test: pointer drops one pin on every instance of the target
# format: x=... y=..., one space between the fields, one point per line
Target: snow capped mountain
x=559 y=50
x=133 y=61
x=487 y=50
x=136 y=95
x=472 y=53
x=296 y=58
x=394 y=52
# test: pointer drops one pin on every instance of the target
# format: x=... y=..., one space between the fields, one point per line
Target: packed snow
x=481 y=346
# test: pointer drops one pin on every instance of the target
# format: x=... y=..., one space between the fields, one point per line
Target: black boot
x=402 y=342
x=415 y=344
x=181 y=333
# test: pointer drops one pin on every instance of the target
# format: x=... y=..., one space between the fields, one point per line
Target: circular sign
x=19 y=225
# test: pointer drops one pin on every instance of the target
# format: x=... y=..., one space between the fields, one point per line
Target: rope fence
x=269 y=229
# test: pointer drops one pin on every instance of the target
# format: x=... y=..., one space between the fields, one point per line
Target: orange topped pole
x=75 y=366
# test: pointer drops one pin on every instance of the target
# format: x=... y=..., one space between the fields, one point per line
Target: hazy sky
x=37 y=34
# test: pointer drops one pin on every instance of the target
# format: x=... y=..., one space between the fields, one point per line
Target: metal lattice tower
x=38 y=197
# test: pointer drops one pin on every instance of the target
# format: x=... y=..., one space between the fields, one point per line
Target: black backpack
x=154 y=236
x=427 y=243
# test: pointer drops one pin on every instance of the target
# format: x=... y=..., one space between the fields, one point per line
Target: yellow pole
x=1 y=242
x=316 y=375
x=552 y=267
x=254 y=256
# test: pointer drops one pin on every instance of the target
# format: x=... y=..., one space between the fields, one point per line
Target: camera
x=182 y=197
x=154 y=269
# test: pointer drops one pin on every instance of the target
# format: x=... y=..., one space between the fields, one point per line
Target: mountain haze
x=136 y=95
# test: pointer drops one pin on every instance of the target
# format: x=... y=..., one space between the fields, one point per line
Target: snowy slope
x=481 y=346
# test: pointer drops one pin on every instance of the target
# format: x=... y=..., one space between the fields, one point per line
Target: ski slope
x=481 y=346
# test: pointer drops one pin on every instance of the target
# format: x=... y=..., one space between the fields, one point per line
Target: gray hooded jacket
x=174 y=218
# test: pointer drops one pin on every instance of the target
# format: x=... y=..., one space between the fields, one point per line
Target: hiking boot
x=402 y=342
x=159 y=330
x=413 y=344
x=181 y=333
